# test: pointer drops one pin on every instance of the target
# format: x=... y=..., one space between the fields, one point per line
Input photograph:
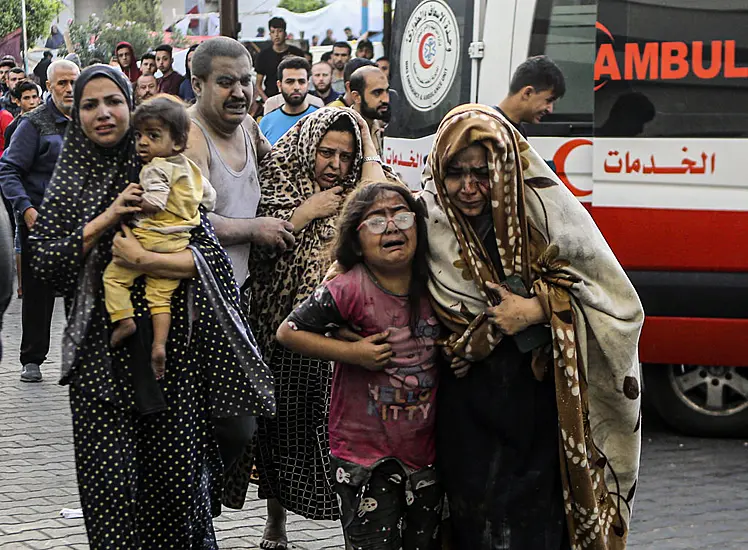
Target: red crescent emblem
x=559 y=159
x=425 y=64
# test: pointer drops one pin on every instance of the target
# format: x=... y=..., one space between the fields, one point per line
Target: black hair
x=309 y=57
x=221 y=46
x=342 y=44
x=326 y=57
x=346 y=248
x=354 y=64
x=23 y=86
x=17 y=70
x=383 y=58
x=541 y=73
x=187 y=70
x=165 y=48
x=96 y=61
x=277 y=23
x=47 y=55
x=293 y=62
x=358 y=80
x=7 y=63
x=148 y=55
x=364 y=44
x=342 y=124
x=169 y=111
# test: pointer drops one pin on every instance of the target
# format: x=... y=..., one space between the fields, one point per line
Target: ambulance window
x=675 y=69
x=564 y=30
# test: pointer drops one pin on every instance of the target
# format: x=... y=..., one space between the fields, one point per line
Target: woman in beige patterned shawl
x=540 y=450
x=305 y=180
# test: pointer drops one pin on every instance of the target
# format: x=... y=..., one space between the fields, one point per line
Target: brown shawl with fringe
x=545 y=236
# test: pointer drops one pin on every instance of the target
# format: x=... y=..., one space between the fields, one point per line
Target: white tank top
x=237 y=195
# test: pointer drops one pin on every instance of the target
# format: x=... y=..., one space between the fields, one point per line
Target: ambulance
x=652 y=136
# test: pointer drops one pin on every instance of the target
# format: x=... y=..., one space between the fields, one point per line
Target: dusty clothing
x=237 y=193
x=388 y=507
x=594 y=313
x=382 y=424
x=175 y=186
x=130 y=430
x=386 y=414
x=292 y=455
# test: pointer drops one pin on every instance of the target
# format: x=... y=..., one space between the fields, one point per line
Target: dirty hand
x=127 y=250
x=126 y=203
x=372 y=352
x=515 y=313
x=325 y=203
x=459 y=366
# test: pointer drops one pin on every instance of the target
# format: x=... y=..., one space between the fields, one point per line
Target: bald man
x=370 y=94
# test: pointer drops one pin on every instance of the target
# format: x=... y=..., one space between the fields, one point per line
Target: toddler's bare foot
x=124 y=329
x=158 y=360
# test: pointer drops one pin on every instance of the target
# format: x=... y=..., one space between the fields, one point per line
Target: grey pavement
x=693 y=493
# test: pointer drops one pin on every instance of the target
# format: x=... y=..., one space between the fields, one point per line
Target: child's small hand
x=372 y=352
x=126 y=203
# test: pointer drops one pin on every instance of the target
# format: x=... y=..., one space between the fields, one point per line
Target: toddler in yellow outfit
x=173 y=189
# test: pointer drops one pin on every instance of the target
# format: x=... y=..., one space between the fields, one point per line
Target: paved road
x=693 y=492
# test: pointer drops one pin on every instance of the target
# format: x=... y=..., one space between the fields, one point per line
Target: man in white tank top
x=227 y=145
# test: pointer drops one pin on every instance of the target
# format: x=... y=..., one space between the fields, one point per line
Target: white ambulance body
x=652 y=135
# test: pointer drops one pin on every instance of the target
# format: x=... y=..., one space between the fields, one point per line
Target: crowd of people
x=267 y=303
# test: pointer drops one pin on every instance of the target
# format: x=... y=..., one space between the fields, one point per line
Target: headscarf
x=132 y=72
x=187 y=70
x=86 y=180
x=74 y=58
x=185 y=88
x=547 y=238
x=287 y=176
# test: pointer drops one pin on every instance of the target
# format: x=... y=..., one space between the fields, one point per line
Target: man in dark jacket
x=25 y=171
x=40 y=71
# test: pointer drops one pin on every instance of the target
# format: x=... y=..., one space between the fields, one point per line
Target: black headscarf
x=86 y=180
x=187 y=71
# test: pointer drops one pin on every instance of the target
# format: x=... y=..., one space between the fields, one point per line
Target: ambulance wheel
x=700 y=400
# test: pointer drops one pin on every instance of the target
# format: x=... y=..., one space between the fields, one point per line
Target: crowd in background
x=268 y=303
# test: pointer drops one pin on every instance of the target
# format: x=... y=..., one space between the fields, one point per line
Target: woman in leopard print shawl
x=305 y=180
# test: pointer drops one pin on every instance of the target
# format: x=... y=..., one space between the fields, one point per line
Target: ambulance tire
x=687 y=411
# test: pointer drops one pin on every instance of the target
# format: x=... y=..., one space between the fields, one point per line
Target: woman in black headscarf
x=185 y=88
x=150 y=454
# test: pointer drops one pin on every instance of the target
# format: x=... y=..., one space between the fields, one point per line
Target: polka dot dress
x=146 y=481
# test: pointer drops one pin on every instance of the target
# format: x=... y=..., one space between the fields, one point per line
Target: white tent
x=337 y=15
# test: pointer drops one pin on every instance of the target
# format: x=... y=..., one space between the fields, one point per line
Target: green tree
x=147 y=12
x=96 y=39
x=302 y=6
x=39 y=16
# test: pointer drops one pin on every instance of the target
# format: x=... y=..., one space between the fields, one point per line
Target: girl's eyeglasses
x=378 y=224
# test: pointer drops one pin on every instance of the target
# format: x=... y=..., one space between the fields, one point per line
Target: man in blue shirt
x=25 y=171
x=293 y=82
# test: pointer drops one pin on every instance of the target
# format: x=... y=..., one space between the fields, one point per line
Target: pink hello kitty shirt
x=385 y=414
